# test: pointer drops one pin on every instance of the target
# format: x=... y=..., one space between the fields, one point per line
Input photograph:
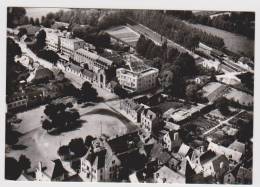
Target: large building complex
x=136 y=76
x=94 y=61
x=63 y=42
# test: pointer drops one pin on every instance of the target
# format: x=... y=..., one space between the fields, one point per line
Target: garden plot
x=124 y=34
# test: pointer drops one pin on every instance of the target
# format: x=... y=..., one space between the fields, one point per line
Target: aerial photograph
x=128 y=95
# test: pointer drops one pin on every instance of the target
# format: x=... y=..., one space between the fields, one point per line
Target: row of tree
x=237 y=22
x=175 y=29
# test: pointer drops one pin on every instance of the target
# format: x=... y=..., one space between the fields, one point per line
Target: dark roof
x=217 y=164
x=58 y=169
x=244 y=173
x=164 y=157
x=75 y=67
x=43 y=72
x=88 y=73
x=124 y=143
x=205 y=157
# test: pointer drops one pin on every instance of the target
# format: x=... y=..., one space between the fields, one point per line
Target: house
x=132 y=109
x=100 y=163
x=166 y=175
x=150 y=120
x=137 y=76
x=234 y=152
x=229 y=78
x=58 y=74
x=230 y=176
x=53 y=171
x=185 y=150
x=211 y=164
x=17 y=101
x=204 y=48
x=171 y=140
x=244 y=176
x=246 y=63
x=210 y=64
x=43 y=74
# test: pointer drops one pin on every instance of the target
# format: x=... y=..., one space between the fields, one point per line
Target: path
x=221 y=123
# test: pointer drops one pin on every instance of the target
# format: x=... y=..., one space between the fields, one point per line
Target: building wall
x=137 y=82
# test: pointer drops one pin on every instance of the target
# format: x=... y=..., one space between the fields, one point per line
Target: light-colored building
x=94 y=61
x=68 y=44
x=136 y=76
x=166 y=175
x=53 y=39
x=149 y=120
x=100 y=163
x=233 y=152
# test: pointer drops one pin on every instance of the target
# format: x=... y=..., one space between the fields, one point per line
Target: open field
x=234 y=42
x=41 y=146
x=125 y=34
x=240 y=97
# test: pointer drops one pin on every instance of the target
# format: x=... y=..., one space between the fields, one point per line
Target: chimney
x=40 y=166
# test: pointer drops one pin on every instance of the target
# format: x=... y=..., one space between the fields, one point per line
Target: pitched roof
x=75 y=67
x=244 y=173
x=237 y=146
x=184 y=149
x=207 y=156
x=88 y=73
x=58 y=169
x=43 y=72
x=219 y=164
x=170 y=175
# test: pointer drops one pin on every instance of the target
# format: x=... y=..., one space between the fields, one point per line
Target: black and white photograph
x=129 y=95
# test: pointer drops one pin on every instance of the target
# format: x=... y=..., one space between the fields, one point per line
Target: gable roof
x=220 y=164
x=43 y=72
x=170 y=175
x=237 y=146
x=184 y=149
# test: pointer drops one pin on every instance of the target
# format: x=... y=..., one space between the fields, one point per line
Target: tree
x=69 y=105
x=191 y=92
x=222 y=104
x=88 y=140
x=37 y=22
x=88 y=93
x=24 y=163
x=64 y=150
x=122 y=93
x=22 y=31
x=187 y=64
x=77 y=147
x=12 y=169
x=14 y=16
x=47 y=125
x=40 y=39
x=31 y=21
